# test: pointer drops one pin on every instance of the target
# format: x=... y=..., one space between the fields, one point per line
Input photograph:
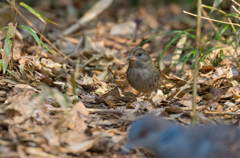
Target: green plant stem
x=198 y=40
x=13 y=15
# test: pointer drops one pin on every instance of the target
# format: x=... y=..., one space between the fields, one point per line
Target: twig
x=235 y=2
x=190 y=109
x=237 y=35
x=107 y=111
x=183 y=88
x=78 y=46
x=210 y=22
x=12 y=3
x=214 y=9
x=94 y=57
x=224 y=22
x=236 y=10
x=220 y=11
x=91 y=110
x=222 y=113
x=40 y=41
x=99 y=7
x=198 y=49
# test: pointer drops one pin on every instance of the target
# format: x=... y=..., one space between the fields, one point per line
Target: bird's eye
x=139 y=54
x=143 y=133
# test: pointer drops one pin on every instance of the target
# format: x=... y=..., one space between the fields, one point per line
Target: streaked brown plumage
x=142 y=74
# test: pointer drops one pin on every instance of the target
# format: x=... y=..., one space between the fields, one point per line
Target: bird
x=142 y=73
x=169 y=140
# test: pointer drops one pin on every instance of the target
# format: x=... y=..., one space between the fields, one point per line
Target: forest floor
x=76 y=101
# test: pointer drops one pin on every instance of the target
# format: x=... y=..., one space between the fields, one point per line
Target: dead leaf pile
x=76 y=101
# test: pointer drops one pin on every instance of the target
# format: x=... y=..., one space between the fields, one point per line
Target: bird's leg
x=151 y=101
x=141 y=94
x=150 y=98
x=146 y=96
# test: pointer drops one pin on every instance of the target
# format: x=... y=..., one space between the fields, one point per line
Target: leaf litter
x=38 y=116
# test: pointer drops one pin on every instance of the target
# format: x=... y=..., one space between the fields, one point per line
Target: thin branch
x=210 y=22
x=76 y=50
x=235 y=2
x=235 y=9
x=210 y=19
x=196 y=65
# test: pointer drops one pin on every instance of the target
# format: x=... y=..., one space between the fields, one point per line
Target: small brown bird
x=142 y=73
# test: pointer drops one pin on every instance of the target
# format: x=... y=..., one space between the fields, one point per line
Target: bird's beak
x=132 y=58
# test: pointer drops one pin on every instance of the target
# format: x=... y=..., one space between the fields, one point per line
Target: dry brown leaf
x=159 y=96
x=24 y=107
x=73 y=137
x=174 y=109
x=5 y=56
x=78 y=115
x=39 y=152
x=112 y=95
x=50 y=63
x=81 y=147
x=50 y=134
x=207 y=69
x=204 y=120
x=126 y=29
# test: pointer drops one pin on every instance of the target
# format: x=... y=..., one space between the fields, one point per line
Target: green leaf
x=8 y=46
x=212 y=8
x=179 y=34
x=74 y=87
x=218 y=36
x=4 y=28
x=1 y=63
x=37 y=14
x=29 y=30
x=4 y=66
x=184 y=59
x=168 y=45
x=215 y=4
x=233 y=15
x=8 y=42
x=171 y=32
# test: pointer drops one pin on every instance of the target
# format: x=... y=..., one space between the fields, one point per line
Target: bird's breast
x=143 y=80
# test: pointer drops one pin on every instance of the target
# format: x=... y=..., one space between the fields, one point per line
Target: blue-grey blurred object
x=169 y=140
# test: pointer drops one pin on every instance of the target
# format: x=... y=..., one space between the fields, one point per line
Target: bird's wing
x=160 y=77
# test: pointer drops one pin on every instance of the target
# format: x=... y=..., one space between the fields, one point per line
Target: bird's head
x=139 y=58
x=146 y=131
